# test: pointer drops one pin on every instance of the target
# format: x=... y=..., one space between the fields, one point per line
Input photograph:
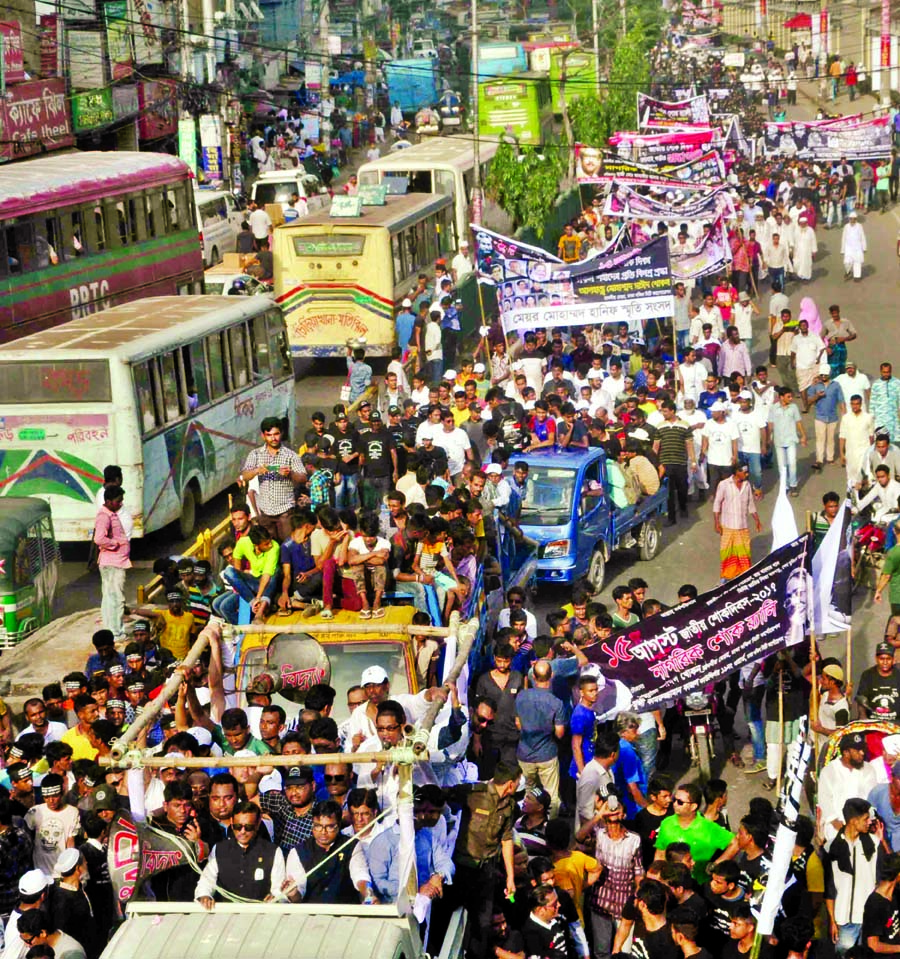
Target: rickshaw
x=874 y=731
x=29 y=567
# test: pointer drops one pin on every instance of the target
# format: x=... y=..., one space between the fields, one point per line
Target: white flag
x=832 y=586
x=784 y=525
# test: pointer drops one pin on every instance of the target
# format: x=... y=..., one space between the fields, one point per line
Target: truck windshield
x=549 y=494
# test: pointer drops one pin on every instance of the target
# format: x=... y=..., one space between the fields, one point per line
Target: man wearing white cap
x=70 y=909
x=404 y=323
x=751 y=426
x=33 y=891
x=461 y=265
x=853 y=246
x=805 y=249
x=377 y=686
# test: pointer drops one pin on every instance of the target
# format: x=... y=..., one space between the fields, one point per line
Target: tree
x=525 y=182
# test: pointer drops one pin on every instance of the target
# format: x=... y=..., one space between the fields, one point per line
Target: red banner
x=885 y=51
x=158 y=102
x=13 y=60
x=52 y=30
x=35 y=115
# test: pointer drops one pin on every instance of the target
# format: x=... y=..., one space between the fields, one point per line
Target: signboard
x=669 y=149
x=372 y=194
x=118 y=38
x=159 y=109
x=312 y=70
x=187 y=142
x=13 y=58
x=701 y=642
x=52 y=33
x=93 y=109
x=86 y=59
x=152 y=16
x=34 y=117
x=125 y=101
x=851 y=138
x=346 y=206
x=334 y=44
x=211 y=146
x=735 y=59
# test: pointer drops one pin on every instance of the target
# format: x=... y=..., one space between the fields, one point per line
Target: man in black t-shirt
x=504 y=943
x=347 y=449
x=723 y=894
x=878 y=693
x=379 y=462
x=654 y=941
x=544 y=932
x=881 y=915
x=685 y=932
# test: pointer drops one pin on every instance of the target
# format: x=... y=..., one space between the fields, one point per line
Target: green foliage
x=525 y=182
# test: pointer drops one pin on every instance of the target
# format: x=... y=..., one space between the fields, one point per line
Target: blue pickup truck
x=567 y=510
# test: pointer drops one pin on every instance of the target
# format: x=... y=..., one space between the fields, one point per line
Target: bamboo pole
x=848 y=671
x=780 y=728
x=813 y=699
x=212 y=632
x=379 y=629
x=400 y=754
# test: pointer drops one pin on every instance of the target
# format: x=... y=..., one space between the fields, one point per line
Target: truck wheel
x=188 y=519
x=597 y=570
x=650 y=540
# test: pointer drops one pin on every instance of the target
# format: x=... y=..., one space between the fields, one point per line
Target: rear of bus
x=509 y=107
x=59 y=428
x=341 y=280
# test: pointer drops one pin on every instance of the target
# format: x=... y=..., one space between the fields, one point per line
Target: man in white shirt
x=806 y=349
x=855 y=435
x=720 y=445
x=461 y=265
x=751 y=426
x=260 y=222
x=691 y=375
x=884 y=495
x=710 y=313
x=455 y=442
x=852 y=382
x=531 y=363
x=847 y=777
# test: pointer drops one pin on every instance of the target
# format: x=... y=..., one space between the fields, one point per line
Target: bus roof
x=135 y=330
x=398 y=212
x=31 y=186
x=433 y=153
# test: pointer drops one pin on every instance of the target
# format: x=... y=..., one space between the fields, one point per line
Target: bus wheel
x=188 y=519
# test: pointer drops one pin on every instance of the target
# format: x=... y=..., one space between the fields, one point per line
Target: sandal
x=378 y=613
x=365 y=614
x=327 y=613
x=736 y=761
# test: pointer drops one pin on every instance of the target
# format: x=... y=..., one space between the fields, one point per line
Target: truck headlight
x=557 y=549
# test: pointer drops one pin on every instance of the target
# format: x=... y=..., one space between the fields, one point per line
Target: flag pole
x=814 y=694
x=780 y=725
x=848 y=672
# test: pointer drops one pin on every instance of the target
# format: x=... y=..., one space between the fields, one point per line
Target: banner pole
x=848 y=672
x=780 y=728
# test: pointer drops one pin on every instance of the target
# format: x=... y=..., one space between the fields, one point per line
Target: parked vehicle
x=452 y=112
x=219 y=221
x=568 y=512
x=699 y=711
x=423 y=48
x=29 y=567
x=276 y=186
x=412 y=83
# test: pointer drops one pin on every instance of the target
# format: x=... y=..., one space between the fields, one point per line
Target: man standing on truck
x=732 y=508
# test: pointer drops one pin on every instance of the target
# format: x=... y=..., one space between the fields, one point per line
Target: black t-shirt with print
x=377 y=451
x=345 y=444
x=880 y=694
x=881 y=918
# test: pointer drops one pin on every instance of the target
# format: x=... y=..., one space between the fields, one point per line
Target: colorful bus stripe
x=37 y=472
x=308 y=293
x=150 y=253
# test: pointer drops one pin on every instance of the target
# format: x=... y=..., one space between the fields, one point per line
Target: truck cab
x=568 y=511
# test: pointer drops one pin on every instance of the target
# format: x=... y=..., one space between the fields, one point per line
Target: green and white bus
x=170 y=388
x=516 y=107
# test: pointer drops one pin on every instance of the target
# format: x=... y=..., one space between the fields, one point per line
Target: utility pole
x=595 y=20
x=477 y=198
x=885 y=53
x=624 y=21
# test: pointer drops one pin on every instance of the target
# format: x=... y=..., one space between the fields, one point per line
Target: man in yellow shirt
x=78 y=737
x=259 y=584
x=177 y=624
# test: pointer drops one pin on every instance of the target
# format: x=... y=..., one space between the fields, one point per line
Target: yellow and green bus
x=516 y=107
x=342 y=279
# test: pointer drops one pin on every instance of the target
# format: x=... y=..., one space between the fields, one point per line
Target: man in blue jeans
x=258 y=585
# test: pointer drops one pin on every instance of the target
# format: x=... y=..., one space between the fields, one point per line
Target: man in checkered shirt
x=278 y=470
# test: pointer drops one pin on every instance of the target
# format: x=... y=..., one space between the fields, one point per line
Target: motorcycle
x=451 y=110
x=699 y=711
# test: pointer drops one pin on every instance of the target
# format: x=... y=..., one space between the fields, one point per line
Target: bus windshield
x=54 y=381
x=548 y=496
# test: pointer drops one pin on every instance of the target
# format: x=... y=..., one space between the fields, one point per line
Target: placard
x=372 y=194
x=346 y=206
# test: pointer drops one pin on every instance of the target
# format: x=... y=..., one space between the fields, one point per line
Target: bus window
x=444 y=182
x=421 y=245
x=219 y=380
x=468 y=183
x=195 y=374
x=137 y=218
x=4 y=258
x=150 y=419
x=259 y=346
x=171 y=388
x=20 y=246
x=397 y=254
x=45 y=244
x=418 y=181
x=412 y=250
x=279 y=354
x=70 y=245
x=109 y=217
x=240 y=367
x=184 y=204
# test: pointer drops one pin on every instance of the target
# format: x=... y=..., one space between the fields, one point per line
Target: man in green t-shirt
x=889 y=575
x=708 y=840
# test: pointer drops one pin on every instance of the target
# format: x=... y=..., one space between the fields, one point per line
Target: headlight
x=557 y=549
x=456 y=109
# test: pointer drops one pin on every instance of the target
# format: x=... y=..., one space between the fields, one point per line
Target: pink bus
x=81 y=232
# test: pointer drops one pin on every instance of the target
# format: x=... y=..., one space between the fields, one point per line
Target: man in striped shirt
x=675 y=448
x=733 y=506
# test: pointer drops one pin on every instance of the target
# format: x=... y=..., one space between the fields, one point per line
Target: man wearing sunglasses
x=36 y=928
x=707 y=839
x=245 y=864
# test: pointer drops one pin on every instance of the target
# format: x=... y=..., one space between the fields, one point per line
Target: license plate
x=451 y=122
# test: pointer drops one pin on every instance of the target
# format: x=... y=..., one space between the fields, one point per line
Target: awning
x=801 y=21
